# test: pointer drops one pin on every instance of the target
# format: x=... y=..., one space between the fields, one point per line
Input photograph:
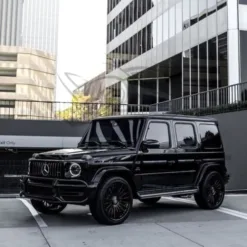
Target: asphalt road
x=171 y=222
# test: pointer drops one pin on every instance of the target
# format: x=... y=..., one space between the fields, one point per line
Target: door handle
x=171 y=162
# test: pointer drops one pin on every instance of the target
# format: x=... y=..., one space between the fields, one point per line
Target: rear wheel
x=48 y=208
x=212 y=191
x=150 y=201
x=113 y=202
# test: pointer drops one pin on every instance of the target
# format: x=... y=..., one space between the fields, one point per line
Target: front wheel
x=113 y=202
x=48 y=208
x=212 y=191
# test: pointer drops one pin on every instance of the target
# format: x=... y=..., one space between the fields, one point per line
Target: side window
x=210 y=136
x=186 y=136
x=160 y=133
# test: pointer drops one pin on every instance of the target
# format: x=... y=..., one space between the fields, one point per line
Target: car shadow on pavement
x=80 y=216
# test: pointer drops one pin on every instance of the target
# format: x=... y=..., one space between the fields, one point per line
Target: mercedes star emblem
x=45 y=170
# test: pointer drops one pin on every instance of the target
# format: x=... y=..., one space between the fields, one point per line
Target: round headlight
x=75 y=170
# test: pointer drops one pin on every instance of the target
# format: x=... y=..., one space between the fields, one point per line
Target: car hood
x=79 y=153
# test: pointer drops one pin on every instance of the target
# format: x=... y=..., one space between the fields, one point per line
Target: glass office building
x=40 y=25
x=10 y=22
x=159 y=50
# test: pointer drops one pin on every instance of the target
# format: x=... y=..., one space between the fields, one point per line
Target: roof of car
x=161 y=115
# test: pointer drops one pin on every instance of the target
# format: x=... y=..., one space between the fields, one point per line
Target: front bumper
x=55 y=190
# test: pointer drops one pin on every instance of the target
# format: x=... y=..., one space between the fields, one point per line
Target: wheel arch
x=114 y=171
x=208 y=167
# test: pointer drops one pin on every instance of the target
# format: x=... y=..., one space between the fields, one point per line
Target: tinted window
x=185 y=135
x=159 y=132
x=210 y=136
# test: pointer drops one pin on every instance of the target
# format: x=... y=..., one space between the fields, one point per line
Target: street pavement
x=171 y=222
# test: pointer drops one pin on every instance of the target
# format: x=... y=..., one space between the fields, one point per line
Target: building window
x=135 y=10
x=7 y=103
x=186 y=14
x=111 y=4
x=8 y=73
x=148 y=89
x=203 y=73
x=194 y=76
x=8 y=57
x=4 y=116
x=194 y=11
x=7 y=88
x=185 y=135
x=163 y=90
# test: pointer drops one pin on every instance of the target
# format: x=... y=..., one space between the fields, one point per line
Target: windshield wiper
x=122 y=144
x=90 y=142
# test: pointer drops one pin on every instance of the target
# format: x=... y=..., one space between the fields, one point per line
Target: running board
x=145 y=195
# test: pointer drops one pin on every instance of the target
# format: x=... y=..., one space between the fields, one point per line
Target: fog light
x=74 y=170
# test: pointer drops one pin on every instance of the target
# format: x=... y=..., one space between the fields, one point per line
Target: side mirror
x=152 y=144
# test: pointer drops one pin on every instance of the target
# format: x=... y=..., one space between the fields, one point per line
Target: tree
x=82 y=108
x=79 y=109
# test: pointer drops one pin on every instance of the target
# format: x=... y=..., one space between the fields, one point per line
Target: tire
x=211 y=191
x=113 y=202
x=48 y=208
x=92 y=207
x=150 y=201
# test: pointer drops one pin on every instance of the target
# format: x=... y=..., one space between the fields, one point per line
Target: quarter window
x=210 y=136
x=185 y=135
x=160 y=133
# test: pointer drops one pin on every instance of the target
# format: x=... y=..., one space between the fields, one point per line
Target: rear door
x=187 y=149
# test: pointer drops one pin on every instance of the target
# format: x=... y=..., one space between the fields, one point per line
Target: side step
x=157 y=193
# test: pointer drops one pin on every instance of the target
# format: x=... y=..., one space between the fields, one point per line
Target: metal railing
x=42 y=110
x=224 y=99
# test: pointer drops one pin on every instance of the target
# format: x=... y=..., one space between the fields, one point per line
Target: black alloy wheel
x=48 y=208
x=113 y=202
x=212 y=191
x=150 y=201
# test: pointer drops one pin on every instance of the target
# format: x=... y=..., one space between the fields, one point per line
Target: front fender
x=100 y=174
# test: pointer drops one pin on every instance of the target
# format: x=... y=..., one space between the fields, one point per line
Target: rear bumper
x=55 y=190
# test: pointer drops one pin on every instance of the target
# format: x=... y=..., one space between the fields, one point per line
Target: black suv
x=123 y=158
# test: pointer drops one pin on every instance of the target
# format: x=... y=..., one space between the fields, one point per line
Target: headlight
x=74 y=171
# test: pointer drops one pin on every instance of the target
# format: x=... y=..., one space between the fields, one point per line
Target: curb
x=10 y=196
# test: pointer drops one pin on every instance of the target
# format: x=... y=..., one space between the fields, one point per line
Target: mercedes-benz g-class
x=122 y=158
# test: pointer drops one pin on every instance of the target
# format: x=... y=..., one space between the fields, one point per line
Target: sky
x=81 y=43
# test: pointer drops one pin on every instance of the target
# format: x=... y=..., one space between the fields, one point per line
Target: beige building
x=26 y=77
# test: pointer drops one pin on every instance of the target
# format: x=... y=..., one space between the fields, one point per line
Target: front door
x=156 y=164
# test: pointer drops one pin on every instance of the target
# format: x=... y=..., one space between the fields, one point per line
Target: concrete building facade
x=26 y=76
x=158 y=50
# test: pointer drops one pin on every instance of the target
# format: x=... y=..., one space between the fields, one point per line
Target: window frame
x=195 y=134
x=199 y=134
x=168 y=127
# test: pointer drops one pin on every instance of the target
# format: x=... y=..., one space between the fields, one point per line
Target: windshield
x=122 y=132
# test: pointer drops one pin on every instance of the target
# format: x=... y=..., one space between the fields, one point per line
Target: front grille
x=53 y=169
